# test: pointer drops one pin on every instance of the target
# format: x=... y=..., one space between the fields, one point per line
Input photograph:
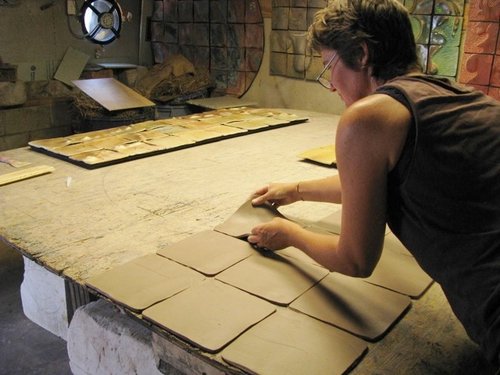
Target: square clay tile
x=494 y=92
x=208 y=252
x=419 y=6
x=455 y=8
x=476 y=69
x=209 y=315
x=298 y=19
x=253 y=59
x=279 y=18
x=299 y=3
x=278 y=63
x=446 y=30
x=144 y=281
x=280 y=41
x=200 y=11
x=495 y=73
x=253 y=13
x=481 y=37
x=317 y=3
x=185 y=10
x=218 y=11
x=421 y=27
x=365 y=310
x=236 y=35
x=294 y=344
x=246 y=216
x=170 y=10
x=157 y=11
x=236 y=11
x=254 y=36
x=401 y=273
x=443 y=60
x=273 y=277
x=488 y=10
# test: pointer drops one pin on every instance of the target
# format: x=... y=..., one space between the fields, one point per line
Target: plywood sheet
x=209 y=315
x=112 y=94
x=351 y=304
x=294 y=344
x=273 y=277
x=208 y=252
x=71 y=66
x=144 y=281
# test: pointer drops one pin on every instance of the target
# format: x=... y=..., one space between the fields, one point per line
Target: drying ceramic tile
x=246 y=217
x=144 y=281
x=135 y=148
x=273 y=277
x=294 y=344
x=96 y=157
x=401 y=273
x=208 y=252
x=351 y=304
x=151 y=137
x=169 y=142
x=209 y=315
x=323 y=155
x=199 y=135
x=226 y=130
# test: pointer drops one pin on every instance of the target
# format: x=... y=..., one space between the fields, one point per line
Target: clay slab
x=400 y=273
x=273 y=277
x=245 y=218
x=209 y=315
x=208 y=252
x=351 y=304
x=144 y=281
x=294 y=344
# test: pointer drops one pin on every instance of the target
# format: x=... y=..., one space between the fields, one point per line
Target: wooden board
x=24 y=174
x=112 y=94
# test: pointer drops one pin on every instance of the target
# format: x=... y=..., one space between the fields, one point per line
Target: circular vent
x=101 y=20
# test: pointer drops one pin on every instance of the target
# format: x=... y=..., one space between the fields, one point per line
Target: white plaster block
x=103 y=340
x=179 y=361
x=43 y=298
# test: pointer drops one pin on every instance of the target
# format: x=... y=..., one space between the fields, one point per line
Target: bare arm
x=321 y=190
x=369 y=140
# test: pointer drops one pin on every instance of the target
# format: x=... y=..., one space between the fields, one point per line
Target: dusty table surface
x=77 y=223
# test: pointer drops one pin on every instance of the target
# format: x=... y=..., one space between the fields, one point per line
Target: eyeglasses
x=323 y=81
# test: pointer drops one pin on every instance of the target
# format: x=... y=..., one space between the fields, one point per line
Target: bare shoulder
x=378 y=124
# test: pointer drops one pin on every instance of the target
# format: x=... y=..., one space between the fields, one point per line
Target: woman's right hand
x=277 y=194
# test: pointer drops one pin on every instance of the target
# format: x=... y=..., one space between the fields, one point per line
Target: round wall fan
x=101 y=20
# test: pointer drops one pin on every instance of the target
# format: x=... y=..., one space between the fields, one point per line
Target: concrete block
x=103 y=340
x=43 y=297
x=12 y=93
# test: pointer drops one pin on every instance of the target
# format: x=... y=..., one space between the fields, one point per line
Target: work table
x=78 y=223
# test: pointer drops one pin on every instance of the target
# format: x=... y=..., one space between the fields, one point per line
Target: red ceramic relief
x=484 y=10
x=481 y=37
x=495 y=72
x=494 y=92
x=476 y=69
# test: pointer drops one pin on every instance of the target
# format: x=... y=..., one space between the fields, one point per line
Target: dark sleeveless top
x=444 y=197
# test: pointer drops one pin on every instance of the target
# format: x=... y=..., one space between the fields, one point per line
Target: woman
x=413 y=151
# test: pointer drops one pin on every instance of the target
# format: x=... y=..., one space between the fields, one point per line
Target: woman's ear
x=364 y=59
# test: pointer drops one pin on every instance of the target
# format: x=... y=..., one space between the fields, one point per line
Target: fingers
x=260 y=196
